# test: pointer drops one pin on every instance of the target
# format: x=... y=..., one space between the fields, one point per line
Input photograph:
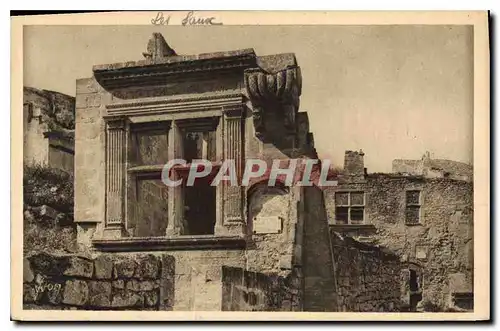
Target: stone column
x=115 y=176
x=233 y=218
x=175 y=197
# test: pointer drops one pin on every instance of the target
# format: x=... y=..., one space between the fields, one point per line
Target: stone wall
x=47 y=112
x=107 y=282
x=317 y=260
x=89 y=155
x=441 y=244
x=271 y=225
x=244 y=290
x=368 y=278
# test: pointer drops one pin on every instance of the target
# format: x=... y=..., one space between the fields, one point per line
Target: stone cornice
x=153 y=72
x=187 y=103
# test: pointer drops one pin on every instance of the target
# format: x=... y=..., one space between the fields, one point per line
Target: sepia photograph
x=190 y=164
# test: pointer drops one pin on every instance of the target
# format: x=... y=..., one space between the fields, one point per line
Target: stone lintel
x=170 y=243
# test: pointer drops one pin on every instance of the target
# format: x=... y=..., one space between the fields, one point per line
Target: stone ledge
x=169 y=243
x=351 y=227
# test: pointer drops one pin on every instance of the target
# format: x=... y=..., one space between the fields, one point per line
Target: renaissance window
x=412 y=213
x=349 y=208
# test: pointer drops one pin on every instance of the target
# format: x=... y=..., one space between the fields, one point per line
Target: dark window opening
x=199 y=201
x=414 y=286
x=199 y=208
x=357 y=215
x=342 y=215
x=415 y=291
x=412 y=215
x=199 y=145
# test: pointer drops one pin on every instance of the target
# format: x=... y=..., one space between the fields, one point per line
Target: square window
x=350 y=208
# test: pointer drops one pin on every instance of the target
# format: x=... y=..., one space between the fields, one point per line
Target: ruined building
x=48 y=119
x=149 y=246
x=433 y=168
x=427 y=220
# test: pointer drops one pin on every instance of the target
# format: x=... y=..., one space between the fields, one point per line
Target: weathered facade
x=231 y=247
x=48 y=119
x=131 y=118
x=426 y=221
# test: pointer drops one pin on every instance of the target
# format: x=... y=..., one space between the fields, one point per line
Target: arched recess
x=269 y=202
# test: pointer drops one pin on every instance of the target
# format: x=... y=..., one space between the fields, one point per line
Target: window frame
x=176 y=126
x=413 y=206
x=349 y=206
x=135 y=173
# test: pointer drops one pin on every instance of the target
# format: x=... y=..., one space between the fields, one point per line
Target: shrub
x=47 y=186
x=52 y=187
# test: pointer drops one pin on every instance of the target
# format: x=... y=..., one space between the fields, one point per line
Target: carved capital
x=279 y=91
x=284 y=86
x=234 y=111
x=116 y=123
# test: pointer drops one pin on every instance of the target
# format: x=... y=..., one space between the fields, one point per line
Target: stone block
x=48 y=265
x=30 y=294
x=79 y=267
x=99 y=287
x=124 y=299
x=103 y=266
x=75 y=293
x=120 y=284
x=151 y=298
x=101 y=301
x=286 y=262
x=148 y=267
x=139 y=286
x=28 y=275
x=125 y=268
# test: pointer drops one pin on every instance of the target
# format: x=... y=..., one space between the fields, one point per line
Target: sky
x=393 y=91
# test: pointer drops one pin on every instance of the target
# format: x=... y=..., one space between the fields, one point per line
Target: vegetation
x=50 y=189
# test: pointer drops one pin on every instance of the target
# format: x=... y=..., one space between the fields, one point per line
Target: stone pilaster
x=116 y=136
x=233 y=196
